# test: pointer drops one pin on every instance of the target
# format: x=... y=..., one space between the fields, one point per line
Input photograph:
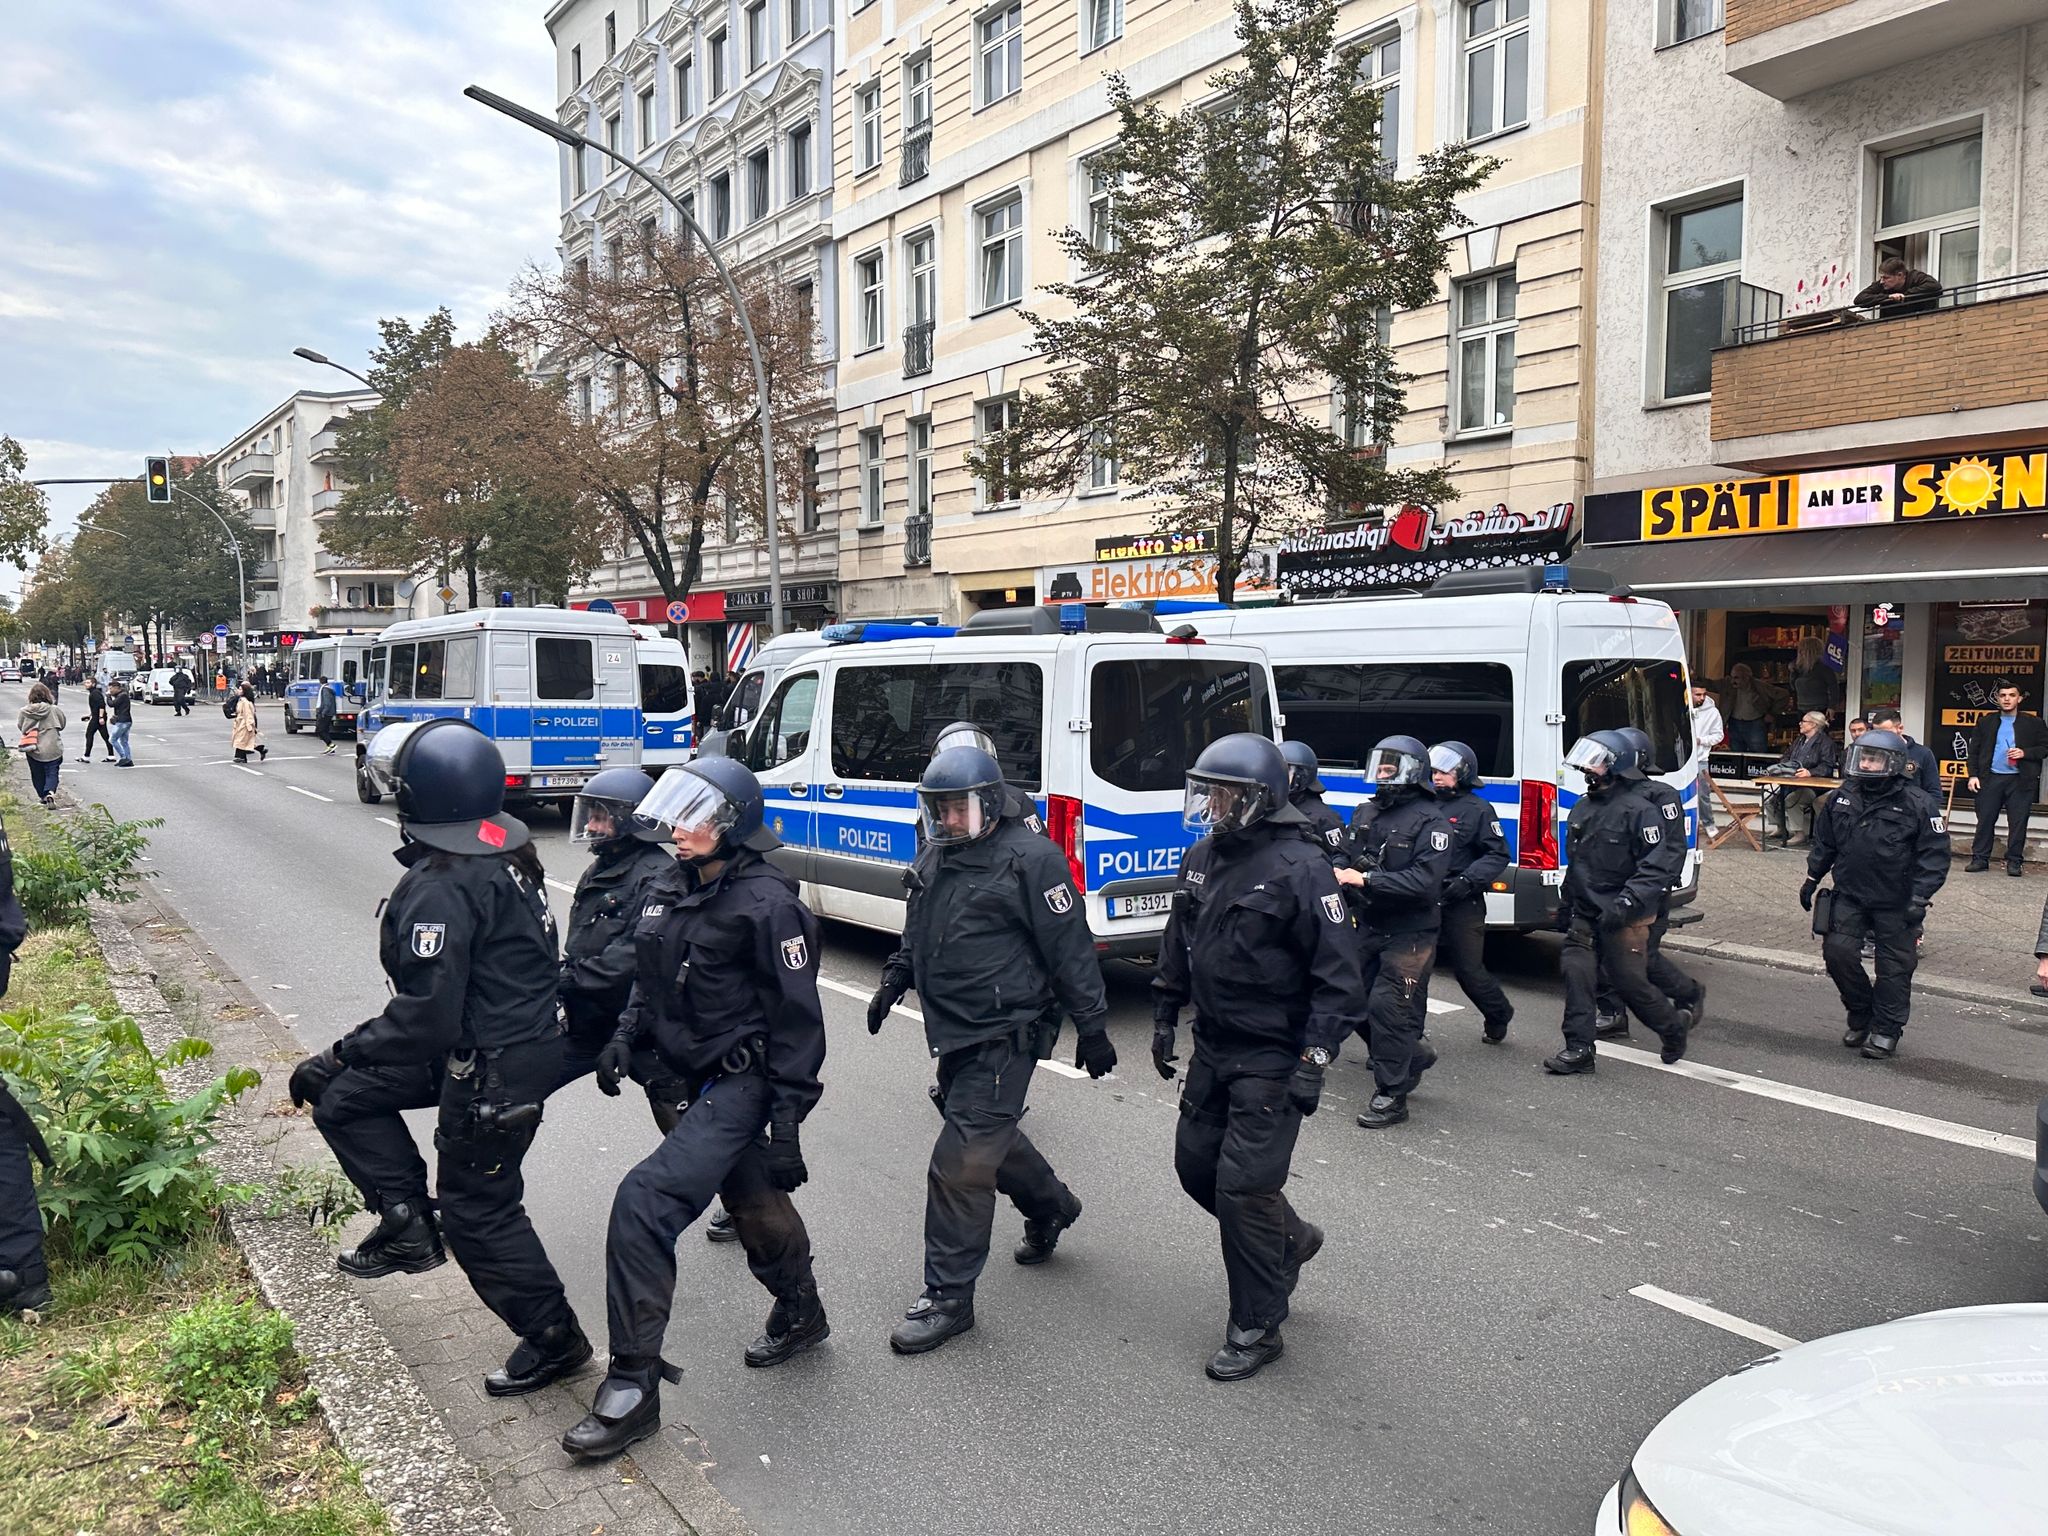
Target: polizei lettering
x=1138 y=861
x=864 y=839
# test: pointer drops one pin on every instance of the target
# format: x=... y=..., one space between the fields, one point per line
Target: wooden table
x=1772 y=786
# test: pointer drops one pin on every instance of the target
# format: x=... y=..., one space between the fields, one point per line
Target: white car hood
x=1935 y=1425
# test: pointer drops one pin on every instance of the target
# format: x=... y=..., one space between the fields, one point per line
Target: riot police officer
x=1260 y=943
x=996 y=943
x=472 y=1025
x=1305 y=794
x=1687 y=992
x=726 y=992
x=24 y=1274
x=1400 y=848
x=1478 y=857
x=1882 y=838
x=1016 y=804
x=1622 y=863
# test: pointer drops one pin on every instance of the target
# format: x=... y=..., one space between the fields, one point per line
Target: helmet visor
x=683 y=800
x=1866 y=762
x=1222 y=805
x=1300 y=777
x=386 y=747
x=964 y=735
x=1444 y=760
x=1389 y=766
x=1589 y=756
x=958 y=815
x=595 y=820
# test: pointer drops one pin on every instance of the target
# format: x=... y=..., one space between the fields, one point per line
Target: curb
x=377 y=1412
x=1792 y=960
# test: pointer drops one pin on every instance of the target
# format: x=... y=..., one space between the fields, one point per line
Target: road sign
x=678 y=612
x=220 y=629
x=446 y=594
x=602 y=605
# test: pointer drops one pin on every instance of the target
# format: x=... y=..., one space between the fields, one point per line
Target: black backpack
x=228 y=707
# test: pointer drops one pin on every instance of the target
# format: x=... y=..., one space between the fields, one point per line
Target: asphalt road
x=1465 y=1354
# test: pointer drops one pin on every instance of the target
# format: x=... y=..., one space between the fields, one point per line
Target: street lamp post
x=577 y=141
x=327 y=362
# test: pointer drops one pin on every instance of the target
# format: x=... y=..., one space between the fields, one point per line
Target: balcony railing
x=325 y=501
x=263 y=570
x=917 y=539
x=917 y=155
x=261 y=517
x=264 y=602
x=251 y=469
x=1768 y=321
x=917 y=348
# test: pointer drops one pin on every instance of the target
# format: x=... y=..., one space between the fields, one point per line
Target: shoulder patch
x=1935 y=822
x=1193 y=876
x=1032 y=823
x=1060 y=898
x=1653 y=834
x=654 y=909
x=1335 y=837
x=1670 y=811
x=795 y=953
x=1439 y=841
x=1333 y=908
x=427 y=939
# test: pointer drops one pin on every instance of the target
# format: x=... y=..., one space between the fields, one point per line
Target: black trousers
x=716 y=1148
x=2012 y=793
x=1232 y=1151
x=1396 y=969
x=1622 y=956
x=21 y=1222
x=1881 y=1009
x=1461 y=944
x=359 y=1117
x=323 y=727
x=666 y=1091
x=1663 y=973
x=96 y=726
x=981 y=1151
x=181 y=704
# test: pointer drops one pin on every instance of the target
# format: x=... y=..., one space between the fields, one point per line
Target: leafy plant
x=72 y=862
x=225 y=1360
x=85 y=1375
x=320 y=1192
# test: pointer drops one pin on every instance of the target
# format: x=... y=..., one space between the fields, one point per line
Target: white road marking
x=1063 y=1069
x=551 y=880
x=1436 y=1007
x=387 y=821
x=240 y=768
x=309 y=794
x=1699 y=1311
x=1832 y=1103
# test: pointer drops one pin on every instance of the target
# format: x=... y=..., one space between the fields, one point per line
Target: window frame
x=1664 y=282
x=931 y=694
x=870 y=462
x=721 y=206
x=870 y=301
x=801 y=18
x=1096 y=192
x=754 y=29
x=1936 y=227
x=1344 y=421
x=1311 y=693
x=921 y=278
x=917 y=91
x=797 y=153
x=576 y=67
x=614 y=138
x=918 y=460
x=867 y=127
x=760 y=168
x=979 y=213
x=1496 y=39
x=645 y=122
x=1489 y=330
x=719 y=45
x=768 y=726
x=1667 y=24
x=590 y=656
x=684 y=77
x=1373 y=49
x=1091 y=34
x=1008 y=44
x=1005 y=408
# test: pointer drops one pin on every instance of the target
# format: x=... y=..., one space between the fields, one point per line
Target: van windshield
x=1149 y=720
x=1647 y=693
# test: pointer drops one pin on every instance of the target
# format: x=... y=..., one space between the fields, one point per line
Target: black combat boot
x=627 y=1408
x=1420 y=1060
x=1245 y=1352
x=1299 y=1253
x=19 y=1295
x=1674 y=1044
x=1041 y=1237
x=719 y=1229
x=1572 y=1059
x=1496 y=1030
x=405 y=1240
x=555 y=1353
x=1857 y=1032
x=1881 y=1047
x=1610 y=1026
x=930 y=1322
x=1385 y=1109
x=795 y=1323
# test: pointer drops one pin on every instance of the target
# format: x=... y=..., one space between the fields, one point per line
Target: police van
x=342 y=659
x=1515 y=663
x=666 y=705
x=1094 y=712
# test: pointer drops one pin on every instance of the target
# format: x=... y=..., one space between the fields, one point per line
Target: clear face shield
x=1866 y=762
x=952 y=816
x=381 y=761
x=1299 y=778
x=594 y=821
x=1444 y=760
x=1590 y=758
x=964 y=735
x=683 y=801
x=1221 y=805
x=1387 y=766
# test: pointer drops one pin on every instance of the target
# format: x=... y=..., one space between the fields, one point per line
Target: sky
x=191 y=188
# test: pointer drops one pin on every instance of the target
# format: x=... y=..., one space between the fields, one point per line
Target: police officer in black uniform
x=1687 y=992
x=726 y=992
x=469 y=945
x=1305 y=794
x=1260 y=942
x=1478 y=857
x=24 y=1275
x=1400 y=849
x=997 y=945
x=1882 y=837
x=1016 y=804
x=1623 y=857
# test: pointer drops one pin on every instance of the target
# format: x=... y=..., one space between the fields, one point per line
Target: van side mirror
x=736 y=744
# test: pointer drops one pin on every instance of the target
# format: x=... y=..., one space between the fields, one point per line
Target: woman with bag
x=247 y=738
x=40 y=726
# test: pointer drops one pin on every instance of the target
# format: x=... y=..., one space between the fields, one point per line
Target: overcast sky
x=191 y=188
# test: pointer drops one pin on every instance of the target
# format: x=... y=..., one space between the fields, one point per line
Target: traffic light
x=157 y=473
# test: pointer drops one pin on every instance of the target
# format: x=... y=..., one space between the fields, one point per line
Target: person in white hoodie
x=1707 y=733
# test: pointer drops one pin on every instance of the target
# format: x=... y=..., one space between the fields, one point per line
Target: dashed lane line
x=1699 y=1311
x=551 y=880
x=253 y=773
x=309 y=794
x=390 y=823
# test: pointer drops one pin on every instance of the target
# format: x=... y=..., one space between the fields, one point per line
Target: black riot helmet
x=1239 y=781
x=1602 y=755
x=1304 y=768
x=605 y=806
x=1454 y=757
x=960 y=797
x=1639 y=743
x=1877 y=757
x=719 y=793
x=448 y=780
x=1398 y=762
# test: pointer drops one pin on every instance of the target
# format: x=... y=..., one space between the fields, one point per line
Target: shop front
x=702 y=628
x=1410 y=549
x=1136 y=567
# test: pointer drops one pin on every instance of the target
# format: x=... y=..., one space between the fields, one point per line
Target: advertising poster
x=1976 y=644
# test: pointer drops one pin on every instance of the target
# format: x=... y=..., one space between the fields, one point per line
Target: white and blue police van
x=1094 y=712
x=1512 y=661
x=343 y=659
x=557 y=689
x=667 y=708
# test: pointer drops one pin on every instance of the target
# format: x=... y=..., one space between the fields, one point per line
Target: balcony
x=326 y=501
x=917 y=155
x=261 y=517
x=263 y=570
x=917 y=349
x=263 y=602
x=1802 y=390
x=1791 y=48
x=325 y=446
x=359 y=618
x=917 y=540
x=251 y=469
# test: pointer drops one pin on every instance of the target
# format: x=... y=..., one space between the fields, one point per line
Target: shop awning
x=1948 y=561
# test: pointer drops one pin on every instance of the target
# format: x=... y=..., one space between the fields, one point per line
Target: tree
x=1235 y=278
x=162 y=566
x=56 y=606
x=670 y=438
x=24 y=510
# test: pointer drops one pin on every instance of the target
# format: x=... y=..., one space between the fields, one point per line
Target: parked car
x=9 y=673
x=156 y=685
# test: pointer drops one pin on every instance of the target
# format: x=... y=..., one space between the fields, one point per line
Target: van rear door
x=665 y=704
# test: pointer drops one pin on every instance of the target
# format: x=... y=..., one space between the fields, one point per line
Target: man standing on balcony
x=1900 y=290
x=2006 y=750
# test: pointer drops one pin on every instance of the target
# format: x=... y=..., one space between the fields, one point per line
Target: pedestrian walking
x=1883 y=839
x=39 y=732
x=24 y=1274
x=246 y=737
x=996 y=942
x=469 y=947
x=726 y=992
x=1305 y=794
x=324 y=709
x=121 y=712
x=1478 y=857
x=1684 y=991
x=2006 y=749
x=181 y=692
x=1708 y=732
x=1260 y=943
x=96 y=721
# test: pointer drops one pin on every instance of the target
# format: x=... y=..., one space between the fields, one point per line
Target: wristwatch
x=1316 y=1056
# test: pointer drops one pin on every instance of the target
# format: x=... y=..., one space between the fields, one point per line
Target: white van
x=1094 y=712
x=774 y=657
x=1494 y=658
x=343 y=659
x=113 y=664
x=666 y=703
x=156 y=686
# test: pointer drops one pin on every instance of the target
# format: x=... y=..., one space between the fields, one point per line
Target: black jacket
x=726 y=964
x=1885 y=844
x=469 y=946
x=1926 y=766
x=1479 y=852
x=2028 y=734
x=1921 y=293
x=96 y=702
x=1619 y=841
x=1325 y=826
x=122 y=707
x=1817 y=754
x=996 y=941
x=598 y=957
x=1261 y=943
x=181 y=683
x=1402 y=842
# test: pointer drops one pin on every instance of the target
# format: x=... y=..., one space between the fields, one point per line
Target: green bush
x=129 y=1180
x=72 y=861
x=224 y=1361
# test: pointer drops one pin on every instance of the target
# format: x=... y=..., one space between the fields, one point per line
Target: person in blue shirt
x=2006 y=750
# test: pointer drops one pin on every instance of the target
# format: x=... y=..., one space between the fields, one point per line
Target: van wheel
x=366 y=792
x=291 y=726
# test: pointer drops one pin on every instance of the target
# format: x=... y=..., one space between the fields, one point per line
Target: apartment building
x=1846 y=492
x=963 y=142
x=729 y=104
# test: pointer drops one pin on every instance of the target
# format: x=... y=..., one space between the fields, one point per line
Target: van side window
x=375 y=673
x=1343 y=710
x=885 y=719
x=1646 y=693
x=459 y=680
x=1149 y=720
x=563 y=669
x=401 y=671
x=430 y=669
x=744 y=703
x=784 y=729
x=664 y=690
x=348 y=672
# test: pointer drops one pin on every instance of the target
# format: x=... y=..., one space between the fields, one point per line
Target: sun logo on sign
x=1968 y=485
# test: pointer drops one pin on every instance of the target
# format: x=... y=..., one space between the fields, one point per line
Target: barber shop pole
x=739 y=647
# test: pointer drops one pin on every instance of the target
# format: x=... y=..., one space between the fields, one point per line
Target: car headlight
x=1639 y=1516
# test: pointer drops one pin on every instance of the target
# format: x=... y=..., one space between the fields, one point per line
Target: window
x=401 y=671
x=563 y=668
x=1343 y=710
x=1928 y=213
x=611 y=33
x=375 y=594
x=1496 y=66
x=615 y=256
x=784 y=730
x=1151 y=719
x=721 y=206
x=1647 y=694
x=757 y=186
x=867 y=283
x=999 y=52
x=1484 y=352
x=580 y=167
x=1103 y=468
x=1354 y=421
x=871 y=478
x=1702 y=251
x=917 y=93
x=640 y=10
x=921 y=258
x=756 y=19
x=618 y=391
x=685 y=67
x=1379 y=65
x=1680 y=21
x=612 y=136
x=429 y=669
x=918 y=442
x=805 y=299
x=999 y=232
x=810 y=505
x=664 y=690
x=867 y=115
x=1104 y=20
x=646 y=122
x=583 y=406
x=1101 y=205
x=459 y=681
x=741 y=703
x=800 y=161
x=991 y=417
x=885 y=718
x=719 y=80
x=373 y=674
x=688 y=232
x=650 y=237
x=575 y=66
x=799 y=18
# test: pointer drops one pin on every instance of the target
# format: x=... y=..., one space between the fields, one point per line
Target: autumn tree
x=57 y=605
x=163 y=566
x=1233 y=281
x=24 y=510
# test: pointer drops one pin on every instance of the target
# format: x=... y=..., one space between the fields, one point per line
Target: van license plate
x=557 y=780
x=1151 y=904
